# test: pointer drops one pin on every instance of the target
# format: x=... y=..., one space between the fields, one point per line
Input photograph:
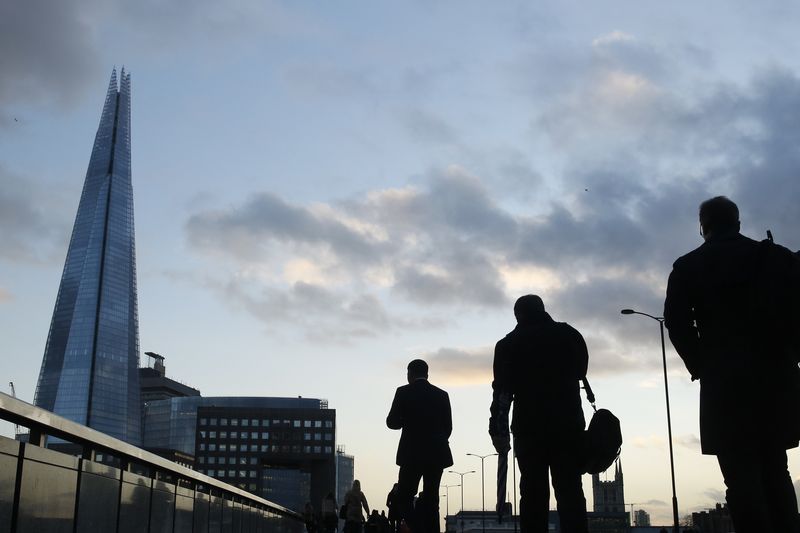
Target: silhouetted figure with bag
x=330 y=520
x=422 y=412
x=538 y=367
x=731 y=311
x=354 y=501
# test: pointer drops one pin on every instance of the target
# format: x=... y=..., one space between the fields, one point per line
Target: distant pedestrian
x=392 y=502
x=355 y=501
x=310 y=518
x=422 y=412
x=538 y=367
x=746 y=360
x=330 y=519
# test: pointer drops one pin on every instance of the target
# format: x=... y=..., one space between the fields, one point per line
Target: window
x=223 y=421
x=265 y=435
x=254 y=460
x=212 y=460
x=306 y=449
x=231 y=473
x=317 y=449
x=254 y=435
x=252 y=473
x=328 y=449
x=234 y=421
x=232 y=460
x=329 y=423
x=317 y=436
x=233 y=447
x=306 y=436
x=307 y=423
x=220 y=473
x=223 y=434
x=242 y=473
x=234 y=435
x=254 y=422
x=213 y=422
x=245 y=422
x=242 y=460
x=202 y=447
x=254 y=447
x=265 y=423
x=317 y=423
x=203 y=421
x=252 y=487
x=202 y=460
x=328 y=436
x=212 y=447
x=296 y=423
x=212 y=434
x=264 y=448
x=223 y=447
x=295 y=448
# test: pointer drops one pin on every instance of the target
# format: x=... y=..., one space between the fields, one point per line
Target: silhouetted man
x=422 y=411
x=747 y=367
x=538 y=367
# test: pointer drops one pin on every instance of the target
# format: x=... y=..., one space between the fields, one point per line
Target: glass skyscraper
x=89 y=372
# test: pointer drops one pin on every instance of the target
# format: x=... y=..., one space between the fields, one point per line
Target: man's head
x=417 y=369
x=528 y=308
x=718 y=215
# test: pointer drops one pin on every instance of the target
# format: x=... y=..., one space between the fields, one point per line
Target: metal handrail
x=43 y=422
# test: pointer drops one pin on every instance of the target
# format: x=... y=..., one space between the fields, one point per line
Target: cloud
x=639 y=154
x=455 y=366
x=715 y=495
x=658 y=503
x=5 y=295
x=47 y=54
x=31 y=228
x=688 y=441
x=428 y=128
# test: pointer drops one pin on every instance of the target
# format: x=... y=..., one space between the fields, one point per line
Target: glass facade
x=89 y=372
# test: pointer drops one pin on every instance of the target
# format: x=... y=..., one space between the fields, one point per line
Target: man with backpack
x=538 y=367
x=731 y=310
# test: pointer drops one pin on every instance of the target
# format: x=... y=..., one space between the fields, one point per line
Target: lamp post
x=462 y=474
x=447 y=505
x=676 y=525
x=483 y=484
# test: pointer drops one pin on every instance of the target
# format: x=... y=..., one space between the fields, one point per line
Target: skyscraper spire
x=89 y=371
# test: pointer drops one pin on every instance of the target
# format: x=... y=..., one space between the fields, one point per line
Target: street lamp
x=447 y=489
x=676 y=525
x=483 y=498
x=462 y=474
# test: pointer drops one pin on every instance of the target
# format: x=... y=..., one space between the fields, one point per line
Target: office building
x=89 y=371
x=717 y=520
x=282 y=449
x=641 y=518
x=345 y=473
x=155 y=385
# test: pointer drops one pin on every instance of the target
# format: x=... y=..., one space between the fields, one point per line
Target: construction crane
x=14 y=395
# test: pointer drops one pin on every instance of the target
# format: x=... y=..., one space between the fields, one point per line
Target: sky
x=325 y=191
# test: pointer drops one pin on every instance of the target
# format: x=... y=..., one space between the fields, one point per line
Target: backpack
x=602 y=440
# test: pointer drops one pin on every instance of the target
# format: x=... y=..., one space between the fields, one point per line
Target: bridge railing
x=107 y=485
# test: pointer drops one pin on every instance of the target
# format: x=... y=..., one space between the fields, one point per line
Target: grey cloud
x=248 y=231
x=428 y=128
x=688 y=441
x=29 y=230
x=658 y=503
x=324 y=315
x=47 y=54
x=714 y=494
x=5 y=295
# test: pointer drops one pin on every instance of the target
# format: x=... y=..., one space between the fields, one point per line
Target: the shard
x=89 y=371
